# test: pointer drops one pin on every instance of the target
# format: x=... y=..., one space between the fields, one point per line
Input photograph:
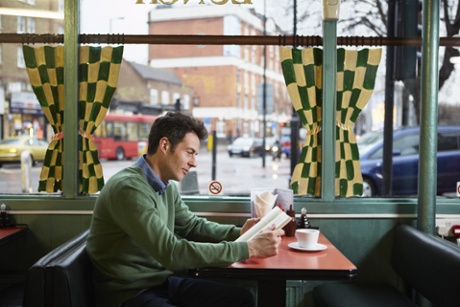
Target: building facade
x=148 y=90
x=227 y=79
x=20 y=111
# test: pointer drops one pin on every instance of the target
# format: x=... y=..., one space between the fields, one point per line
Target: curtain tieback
x=314 y=131
x=343 y=126
x=86 y=135
x=318 y=128
x=60 y=135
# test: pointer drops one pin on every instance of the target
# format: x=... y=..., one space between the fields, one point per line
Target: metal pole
x=295 y=126
x=329 y=98
x=264 y=98
x=214 y=154
x=387 y=166
x=429 y=117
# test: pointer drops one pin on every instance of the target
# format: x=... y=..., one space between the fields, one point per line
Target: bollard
x=26 y=167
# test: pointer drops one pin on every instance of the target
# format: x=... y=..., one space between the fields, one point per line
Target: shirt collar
x=152 y=178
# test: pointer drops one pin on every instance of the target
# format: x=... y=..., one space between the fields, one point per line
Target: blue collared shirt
x=152 y=178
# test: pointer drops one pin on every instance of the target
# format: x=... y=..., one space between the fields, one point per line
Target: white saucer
x=316 y=248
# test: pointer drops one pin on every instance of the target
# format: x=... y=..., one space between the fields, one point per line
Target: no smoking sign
x=215 y=188
x=458 y=188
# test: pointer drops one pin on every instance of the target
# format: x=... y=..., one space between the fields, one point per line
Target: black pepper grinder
x=304 y=222
x=5 y=220
x=290 y=228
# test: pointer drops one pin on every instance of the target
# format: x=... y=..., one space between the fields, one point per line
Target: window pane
x=225 y=81
x=21 y=118
x=223 y=85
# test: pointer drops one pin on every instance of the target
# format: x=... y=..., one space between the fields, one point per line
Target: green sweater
x=138 y=238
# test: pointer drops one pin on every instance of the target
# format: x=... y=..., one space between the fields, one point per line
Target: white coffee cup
x=307 y=238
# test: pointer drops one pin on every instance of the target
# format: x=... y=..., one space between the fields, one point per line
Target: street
x=235 y=175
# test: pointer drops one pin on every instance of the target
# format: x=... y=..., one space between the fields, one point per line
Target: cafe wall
x=364 y=238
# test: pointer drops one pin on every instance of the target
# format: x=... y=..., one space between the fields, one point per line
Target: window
x=223 y=78
x=176 y=96
x=21 y=24
x=165 y=97
x=20 y=58
x=153 y=96
x=186 y=102
x=449 y=140
x=30 y=25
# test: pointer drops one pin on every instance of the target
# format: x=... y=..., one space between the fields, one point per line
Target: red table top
x=290 y=264
x=288 y=258
x=8 y=232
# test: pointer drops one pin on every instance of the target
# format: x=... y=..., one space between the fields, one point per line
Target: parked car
x=405 y=160
x=246 y=147
x=12 y=148
x=271 y=143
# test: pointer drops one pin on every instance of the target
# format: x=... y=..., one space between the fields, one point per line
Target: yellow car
x=12 y=148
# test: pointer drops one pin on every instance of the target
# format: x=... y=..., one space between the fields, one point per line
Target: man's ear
x=164 y=144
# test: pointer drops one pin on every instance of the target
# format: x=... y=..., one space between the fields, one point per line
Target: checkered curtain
x=99 y=68
x=356 y=73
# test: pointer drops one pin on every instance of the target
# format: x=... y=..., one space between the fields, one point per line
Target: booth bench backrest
x=428 y=264
x=62 y=278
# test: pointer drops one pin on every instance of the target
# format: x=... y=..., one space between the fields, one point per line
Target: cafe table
x=11 y=232
x=272 y=273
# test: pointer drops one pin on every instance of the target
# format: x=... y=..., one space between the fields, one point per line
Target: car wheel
x=120 y=154
x=368 y=188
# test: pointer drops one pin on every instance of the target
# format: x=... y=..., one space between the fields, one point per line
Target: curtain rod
x=281 y=40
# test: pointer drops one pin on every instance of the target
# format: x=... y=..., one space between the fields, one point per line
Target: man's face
x=180 y=160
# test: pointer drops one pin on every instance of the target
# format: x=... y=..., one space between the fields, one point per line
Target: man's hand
x=266 y=243
x=249 y=223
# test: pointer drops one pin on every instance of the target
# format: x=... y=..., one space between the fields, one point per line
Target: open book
x=275 y=217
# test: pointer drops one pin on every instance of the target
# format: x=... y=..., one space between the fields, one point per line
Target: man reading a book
x=142 y=235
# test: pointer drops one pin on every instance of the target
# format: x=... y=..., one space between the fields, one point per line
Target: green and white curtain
x=99 y=68
x=303 y=74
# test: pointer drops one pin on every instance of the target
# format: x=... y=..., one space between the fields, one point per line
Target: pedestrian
x=143 y=237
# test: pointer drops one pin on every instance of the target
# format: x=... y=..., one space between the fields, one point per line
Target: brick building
x=149 y=90
x=20 y=110
x=227 y=79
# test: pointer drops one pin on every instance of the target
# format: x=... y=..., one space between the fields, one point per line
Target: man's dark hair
x=174 y=126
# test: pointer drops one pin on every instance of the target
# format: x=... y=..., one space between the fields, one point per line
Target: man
x=142 y=235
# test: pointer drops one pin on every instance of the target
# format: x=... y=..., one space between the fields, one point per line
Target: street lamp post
x=264 y=98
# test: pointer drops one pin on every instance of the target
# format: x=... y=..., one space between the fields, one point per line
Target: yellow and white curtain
x=303 y=74
x=99 y=68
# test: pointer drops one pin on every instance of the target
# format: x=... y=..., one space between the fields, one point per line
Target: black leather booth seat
x=426 y=263
x=62 y=278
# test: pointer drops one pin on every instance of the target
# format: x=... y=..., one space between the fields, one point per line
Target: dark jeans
x=191 y=292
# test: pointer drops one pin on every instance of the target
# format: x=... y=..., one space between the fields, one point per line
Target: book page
x=276 y=216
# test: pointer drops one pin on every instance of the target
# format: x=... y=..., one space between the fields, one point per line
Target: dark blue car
x=405 y=160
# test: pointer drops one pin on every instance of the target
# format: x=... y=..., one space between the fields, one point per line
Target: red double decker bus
x=122 y=136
